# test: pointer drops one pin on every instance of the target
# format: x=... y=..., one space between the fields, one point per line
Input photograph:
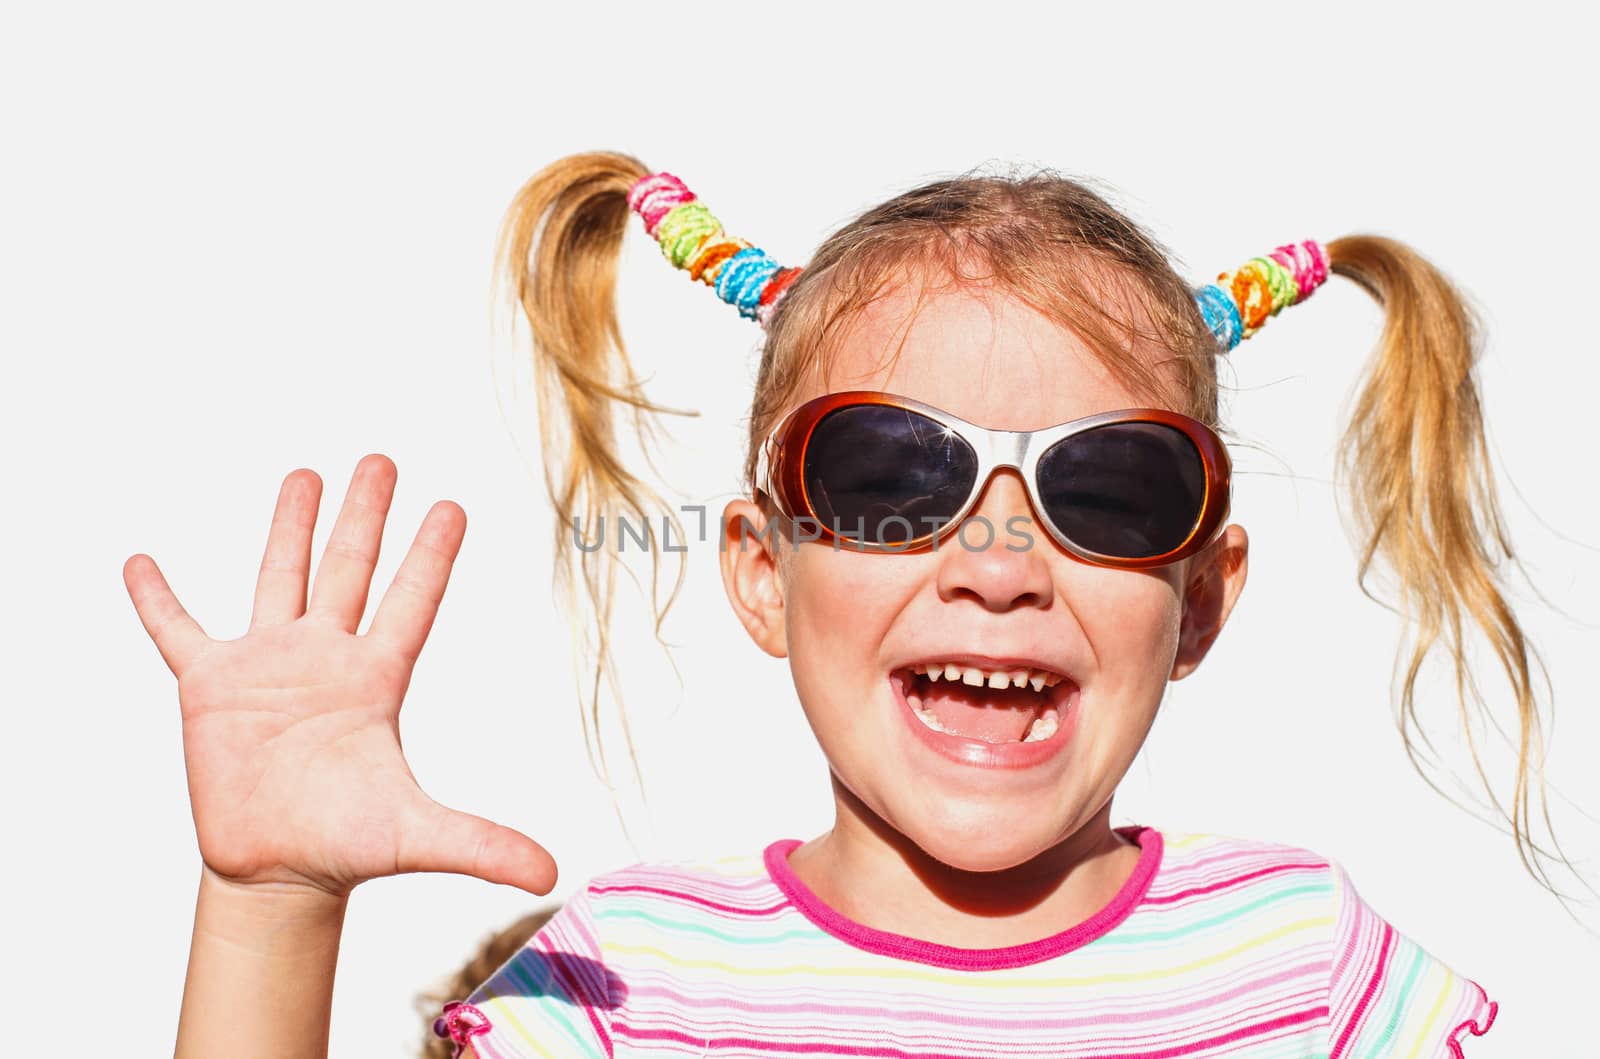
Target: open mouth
x=990 y=705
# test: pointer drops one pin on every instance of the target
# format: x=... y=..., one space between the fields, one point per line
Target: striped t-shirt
x=1215 y=946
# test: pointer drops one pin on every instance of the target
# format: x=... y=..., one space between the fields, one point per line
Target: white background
x=239 y=240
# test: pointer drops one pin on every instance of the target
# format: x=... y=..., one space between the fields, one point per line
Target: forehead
x=982 y=354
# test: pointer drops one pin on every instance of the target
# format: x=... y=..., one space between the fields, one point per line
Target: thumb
x=442 y=839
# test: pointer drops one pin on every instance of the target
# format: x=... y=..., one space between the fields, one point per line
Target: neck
x=868 y=872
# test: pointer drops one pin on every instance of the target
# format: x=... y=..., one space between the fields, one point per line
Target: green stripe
x=1396 y=1003
x=1115 y=939
x=542 y=997
x=684 y=927
x=1119 y=938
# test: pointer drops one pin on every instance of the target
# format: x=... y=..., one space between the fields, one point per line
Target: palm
x=291 y=732
x=266 y=731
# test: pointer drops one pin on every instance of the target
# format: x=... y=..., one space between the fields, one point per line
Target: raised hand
x=291 y=732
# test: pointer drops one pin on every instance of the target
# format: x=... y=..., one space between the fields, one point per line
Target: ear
x=1212 y=586
x=752 y=577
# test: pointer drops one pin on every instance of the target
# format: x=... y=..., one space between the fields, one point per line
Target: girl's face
x=856 y=625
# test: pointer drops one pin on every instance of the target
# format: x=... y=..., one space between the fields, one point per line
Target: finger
x=177 y=636
x=281 y=585
x=446 y=840
x=345 y=573
x=406 y=612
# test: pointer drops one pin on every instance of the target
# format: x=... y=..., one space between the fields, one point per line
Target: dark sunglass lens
x=1131 y=490
x=886 y=475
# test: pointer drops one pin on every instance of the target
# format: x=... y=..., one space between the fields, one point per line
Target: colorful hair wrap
x=746 y=277
x=692 y=239
x=1239 y=302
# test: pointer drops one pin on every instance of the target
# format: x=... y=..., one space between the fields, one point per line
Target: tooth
x=1019 y=677
x=952 y=671
x=1037 y=680
x=919 y=670
x=1051 y=680
x=1041 y=729
x=934 y=672
x=972 y=676
x=999 y=680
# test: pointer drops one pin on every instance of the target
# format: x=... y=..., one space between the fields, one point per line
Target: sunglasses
x=1133 y=488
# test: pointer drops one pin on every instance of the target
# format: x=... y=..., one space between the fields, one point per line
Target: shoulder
x=736 y=887
x=562 y=988
x=1197 y=864
x=734 y=880
x=1386 y=994
x=1390 y=995
x=1254 y=899
x=627 y=902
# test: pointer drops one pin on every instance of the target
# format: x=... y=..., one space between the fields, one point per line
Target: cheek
x=1132 y=625
x=838 y=609
x=844 y=597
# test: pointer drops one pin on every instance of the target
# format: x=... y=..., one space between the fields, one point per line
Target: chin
x=972 y=839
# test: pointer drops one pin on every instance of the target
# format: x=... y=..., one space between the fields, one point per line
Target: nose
x=994 y=558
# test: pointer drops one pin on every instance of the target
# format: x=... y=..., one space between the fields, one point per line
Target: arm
x=278 y=946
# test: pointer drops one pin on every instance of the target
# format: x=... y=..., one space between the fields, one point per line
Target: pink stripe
x=1366 y=995
x=682 y=875
x=1200 y=872
x=484 y=1050
x=825 y=1013
x=884 y=1052
x=790 y=1047
x=605 y=1037
x=1233 y=881
x=1260 y=1028
x=682 y=895
x=571 y=946
x=884 y=943
x=1471 y=1024
x=1201 y=860
x=560 y=965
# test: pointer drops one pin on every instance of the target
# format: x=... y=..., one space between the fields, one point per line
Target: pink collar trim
x=902 y=947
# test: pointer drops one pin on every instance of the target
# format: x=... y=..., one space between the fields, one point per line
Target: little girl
x=986 y=523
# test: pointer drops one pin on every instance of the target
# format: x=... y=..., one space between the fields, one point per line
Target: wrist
x=269 y=918
x=261 y=969
x=287 y=892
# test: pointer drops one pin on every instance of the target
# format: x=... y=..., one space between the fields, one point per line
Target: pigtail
x=493 y=954
x=557 y=261
x=1417 y=468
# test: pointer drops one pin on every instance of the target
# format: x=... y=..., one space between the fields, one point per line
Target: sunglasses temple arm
x=763 y=472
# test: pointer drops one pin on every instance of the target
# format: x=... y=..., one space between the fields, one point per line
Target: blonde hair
x=1413 y=458
x=557 y=262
